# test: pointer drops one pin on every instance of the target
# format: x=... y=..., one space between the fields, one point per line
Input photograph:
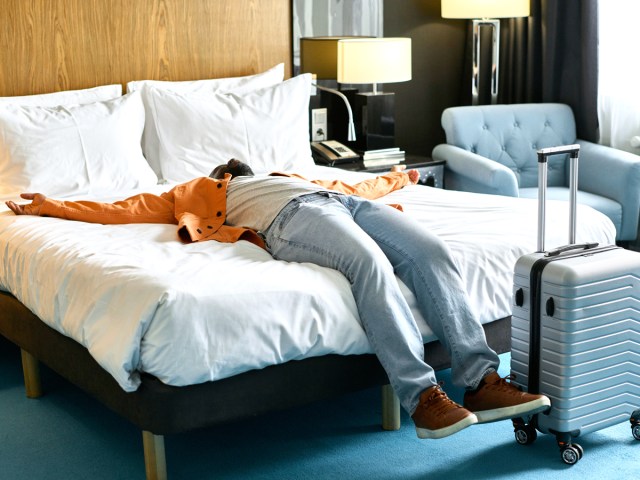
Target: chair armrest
x=471 y=172
x=614 y=174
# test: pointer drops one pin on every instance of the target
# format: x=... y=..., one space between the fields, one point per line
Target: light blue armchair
x=492 y=149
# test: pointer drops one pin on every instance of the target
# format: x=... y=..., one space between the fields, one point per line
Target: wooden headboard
x=52 y=45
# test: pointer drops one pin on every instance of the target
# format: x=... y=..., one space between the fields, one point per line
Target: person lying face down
x=339 y=226
x=198 y=207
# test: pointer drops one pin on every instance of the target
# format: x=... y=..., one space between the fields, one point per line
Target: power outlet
x=318 y=124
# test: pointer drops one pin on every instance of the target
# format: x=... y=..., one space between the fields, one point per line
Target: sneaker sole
x=425 y=433
x=524 y=409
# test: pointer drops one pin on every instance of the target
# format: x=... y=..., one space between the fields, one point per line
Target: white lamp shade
x=485 y=8
x=319 y=55
x=374 y=60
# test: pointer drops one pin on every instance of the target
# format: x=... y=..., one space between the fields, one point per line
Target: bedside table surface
x=431 y=171
x=413 y=161
x=410 y=161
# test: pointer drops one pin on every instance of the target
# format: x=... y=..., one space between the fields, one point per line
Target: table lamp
x=319 y=56
x=373 y=61
x=485 y=13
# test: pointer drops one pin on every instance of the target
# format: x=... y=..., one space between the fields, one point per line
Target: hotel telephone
x=331 y=152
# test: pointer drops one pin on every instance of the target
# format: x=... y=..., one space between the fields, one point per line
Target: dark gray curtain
x=552 y=56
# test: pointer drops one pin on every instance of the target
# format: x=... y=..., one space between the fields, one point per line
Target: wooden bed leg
x=390 y=409
x=31 y=373
x=155 y=463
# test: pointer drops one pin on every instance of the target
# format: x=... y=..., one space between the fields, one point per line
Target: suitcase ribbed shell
x=589 y=338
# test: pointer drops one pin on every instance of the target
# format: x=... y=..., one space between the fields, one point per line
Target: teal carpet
x=68 y=435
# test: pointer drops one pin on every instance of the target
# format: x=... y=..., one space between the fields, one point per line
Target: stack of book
x=382 y=158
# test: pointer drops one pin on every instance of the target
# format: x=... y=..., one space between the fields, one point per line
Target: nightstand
x=431 y=171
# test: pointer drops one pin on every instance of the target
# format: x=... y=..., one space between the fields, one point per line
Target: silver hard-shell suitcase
x=575 y=333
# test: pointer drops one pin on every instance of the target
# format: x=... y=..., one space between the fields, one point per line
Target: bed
x=107 y=306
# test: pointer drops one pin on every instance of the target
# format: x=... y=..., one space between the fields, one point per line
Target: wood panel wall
x=52 y=45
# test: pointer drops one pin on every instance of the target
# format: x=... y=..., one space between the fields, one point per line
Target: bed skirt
x=163 y=409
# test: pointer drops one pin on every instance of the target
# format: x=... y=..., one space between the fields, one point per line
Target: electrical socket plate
x=318 y=124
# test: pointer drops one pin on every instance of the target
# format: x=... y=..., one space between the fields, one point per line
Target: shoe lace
x=439 y=401
x=504 y=384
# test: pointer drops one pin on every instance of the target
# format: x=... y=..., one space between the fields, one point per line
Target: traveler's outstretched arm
x=377 y=187
x=143 y=208
x=371 y=188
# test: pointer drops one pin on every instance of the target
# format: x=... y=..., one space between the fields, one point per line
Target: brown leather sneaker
x=496 y=399
x=437 y=416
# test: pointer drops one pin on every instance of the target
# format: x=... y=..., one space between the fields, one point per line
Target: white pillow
x=268 y=129
x=238 y=85
x=78 y=149
x=67 y=97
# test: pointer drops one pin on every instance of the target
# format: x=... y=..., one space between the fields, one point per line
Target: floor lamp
x=485 y=13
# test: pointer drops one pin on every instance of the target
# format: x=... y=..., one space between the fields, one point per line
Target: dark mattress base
x=162 y=409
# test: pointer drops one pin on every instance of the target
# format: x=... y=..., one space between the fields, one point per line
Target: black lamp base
x=374 y=118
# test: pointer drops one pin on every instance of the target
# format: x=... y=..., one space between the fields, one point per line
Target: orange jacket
x=198 y=207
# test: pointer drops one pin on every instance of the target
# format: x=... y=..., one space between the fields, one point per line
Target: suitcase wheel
x=571 y=454
x=525 y=434
x=635 y=424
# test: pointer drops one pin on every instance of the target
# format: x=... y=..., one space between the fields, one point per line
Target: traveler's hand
x=33 y=208
x=414 y=176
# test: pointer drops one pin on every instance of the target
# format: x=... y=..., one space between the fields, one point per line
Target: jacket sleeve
x=371 y=188
x=143 y=208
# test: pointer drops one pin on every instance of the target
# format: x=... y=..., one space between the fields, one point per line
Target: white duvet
x=140 y=300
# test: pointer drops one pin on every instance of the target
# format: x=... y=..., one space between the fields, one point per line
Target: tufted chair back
x=511 y=135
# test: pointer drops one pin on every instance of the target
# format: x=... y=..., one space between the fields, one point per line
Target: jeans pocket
x=282 y=219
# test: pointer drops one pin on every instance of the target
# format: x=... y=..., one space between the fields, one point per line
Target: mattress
x=141 y=301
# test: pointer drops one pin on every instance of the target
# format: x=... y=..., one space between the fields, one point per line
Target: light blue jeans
x=369 y=243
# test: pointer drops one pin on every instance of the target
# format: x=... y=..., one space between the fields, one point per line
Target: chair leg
x=31 y=373
x=390 y=409
x=155 y=462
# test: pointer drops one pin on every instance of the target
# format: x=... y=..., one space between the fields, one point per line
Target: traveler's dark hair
x=235 y=167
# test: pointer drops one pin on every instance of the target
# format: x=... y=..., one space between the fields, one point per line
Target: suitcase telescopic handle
x=543 y=154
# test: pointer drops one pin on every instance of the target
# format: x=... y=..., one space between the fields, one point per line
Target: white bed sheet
x=140 y=300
